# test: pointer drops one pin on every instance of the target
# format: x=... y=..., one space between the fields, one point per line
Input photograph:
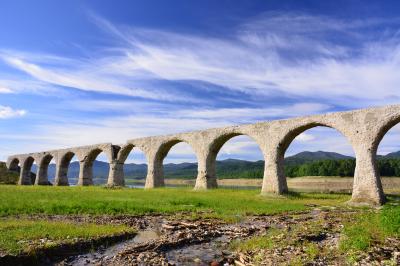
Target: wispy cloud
x=8 y=112
x=253 y=114
x=292 y=54
x=5 y=90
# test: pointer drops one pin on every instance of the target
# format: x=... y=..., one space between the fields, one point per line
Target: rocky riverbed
x=296 y=238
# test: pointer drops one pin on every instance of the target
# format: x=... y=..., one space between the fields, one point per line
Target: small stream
x=92 y=258
x=200 y=254
x=178 y=242
x=197 y=254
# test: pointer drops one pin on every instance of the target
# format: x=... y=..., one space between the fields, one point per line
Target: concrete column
x=116 y=174
x=85 y=173
x=155 y=175
x=367 y=186
x=206 y=173
x=41 y=175
x=274 y=180
x=61 y=178
x=25 y=175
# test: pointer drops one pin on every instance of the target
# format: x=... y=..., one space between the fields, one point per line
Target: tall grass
x=369 y=228
x=98 y=200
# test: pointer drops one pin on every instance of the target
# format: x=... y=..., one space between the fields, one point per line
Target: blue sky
x=83 y=72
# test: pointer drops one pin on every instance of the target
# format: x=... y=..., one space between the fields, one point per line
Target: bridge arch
x=86 y=173
x=155 y=175
x=383 y=129
x=14 y=165
x=287 y=139
x=117 y=172
x=207 y=176
x=62 y=168
x=385 y=132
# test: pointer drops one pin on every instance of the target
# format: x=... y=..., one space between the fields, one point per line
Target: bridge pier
x=61 y=178
x=367 y=185
x=155 y=175
x=85 y=173
x=25 y=177
x=274 y=180
x=116 y=174
x=206 y=173
x=25 y=174
x=41 y=176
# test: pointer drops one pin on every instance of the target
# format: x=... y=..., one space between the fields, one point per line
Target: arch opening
x=388 y=158
x=135 y=168
x=51 y=171
x=317 y=158
x=97 y=167
x=14 y=165
x=68 y=170
x=239 y=162
x=41 y=170
x=179 y=163
x=12 y=174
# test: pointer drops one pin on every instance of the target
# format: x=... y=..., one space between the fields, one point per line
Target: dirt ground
x=295 y=238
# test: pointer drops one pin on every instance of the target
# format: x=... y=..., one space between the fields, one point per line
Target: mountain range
x=225 y=168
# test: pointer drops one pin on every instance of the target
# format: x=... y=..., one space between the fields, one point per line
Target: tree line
x=387 y=167
x=345 y=167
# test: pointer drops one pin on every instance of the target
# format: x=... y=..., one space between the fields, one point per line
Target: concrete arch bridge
x=364 y=129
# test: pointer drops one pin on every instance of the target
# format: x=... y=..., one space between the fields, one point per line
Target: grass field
x=98 y=200
x=19 y=234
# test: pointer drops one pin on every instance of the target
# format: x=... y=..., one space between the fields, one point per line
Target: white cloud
x=251 y=114
x=5 y=90
x=84 y=81
x=240 y=146
x=304 y=137
x=8 y=112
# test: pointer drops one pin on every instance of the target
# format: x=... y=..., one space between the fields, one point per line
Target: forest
x=346 y=167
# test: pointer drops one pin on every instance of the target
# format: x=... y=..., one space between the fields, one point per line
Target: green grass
x=22 y=235
x=371 y=227
x=256 y=242
x=97 y=200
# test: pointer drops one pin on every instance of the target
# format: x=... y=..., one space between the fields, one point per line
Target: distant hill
x=308 y=156
x=393 y=155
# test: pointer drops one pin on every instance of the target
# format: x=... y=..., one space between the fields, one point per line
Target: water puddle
x=200 y=254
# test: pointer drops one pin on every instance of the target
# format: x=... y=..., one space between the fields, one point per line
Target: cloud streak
x=286 y=53
x=7 y=112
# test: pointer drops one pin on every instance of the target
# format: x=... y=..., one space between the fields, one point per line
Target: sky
x=84 y=72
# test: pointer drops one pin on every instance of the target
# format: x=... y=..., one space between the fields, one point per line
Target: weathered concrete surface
x=364 y=129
